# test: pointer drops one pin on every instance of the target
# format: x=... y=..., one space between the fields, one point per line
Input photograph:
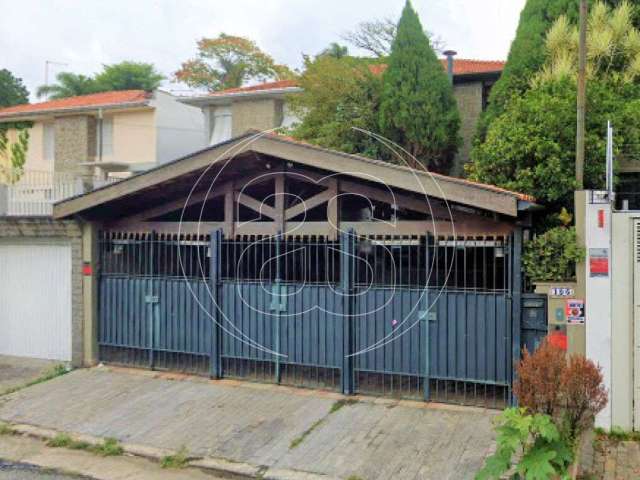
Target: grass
x=177 y=460
x=5 y=429
x=617 y=434
x=345 y=402
x=354 y=477
x=53 y=372
x=108 y=447
x=337 y=405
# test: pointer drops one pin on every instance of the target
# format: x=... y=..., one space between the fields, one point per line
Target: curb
x=226 y=468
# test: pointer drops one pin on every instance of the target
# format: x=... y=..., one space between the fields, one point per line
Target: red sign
x=558 y=339
x=599 y=262
x=87 y=269
x=574 y=311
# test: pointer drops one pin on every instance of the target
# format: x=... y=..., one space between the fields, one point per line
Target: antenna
x=47 y=64
x=609 y=160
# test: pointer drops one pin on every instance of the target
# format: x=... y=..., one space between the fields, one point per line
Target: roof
x=280 y=84
x=461 y=68
x=457 y=190
x=121 y=98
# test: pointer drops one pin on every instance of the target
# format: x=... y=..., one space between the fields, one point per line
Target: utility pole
x=582 y=95
x=47 y=64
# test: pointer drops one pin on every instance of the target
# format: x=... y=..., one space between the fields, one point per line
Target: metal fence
x=426 y=317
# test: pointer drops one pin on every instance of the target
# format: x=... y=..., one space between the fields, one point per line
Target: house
x=231 y=112
x=271 y=259
x=108 y=132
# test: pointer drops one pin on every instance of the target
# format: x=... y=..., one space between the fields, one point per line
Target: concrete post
x=4 y=200
x=90 y=260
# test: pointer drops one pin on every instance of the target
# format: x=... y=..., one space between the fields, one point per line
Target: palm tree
x=68 y=85
x=335 y=50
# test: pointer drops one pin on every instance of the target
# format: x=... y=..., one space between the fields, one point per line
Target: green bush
x=545 y=452
x=552 y=256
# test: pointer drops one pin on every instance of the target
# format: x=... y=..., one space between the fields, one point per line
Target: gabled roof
x=457 y=190
x=121 y=98
x=278 y=85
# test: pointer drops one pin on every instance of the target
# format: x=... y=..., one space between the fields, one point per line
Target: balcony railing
x=33 y=192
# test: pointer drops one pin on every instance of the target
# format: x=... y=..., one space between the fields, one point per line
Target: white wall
x=598 y=295
x=179 y=127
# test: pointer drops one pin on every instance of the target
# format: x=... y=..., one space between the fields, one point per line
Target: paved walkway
x=262 y=425
x=16 y=371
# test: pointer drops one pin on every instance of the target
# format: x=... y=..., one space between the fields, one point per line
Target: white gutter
x=39 y=113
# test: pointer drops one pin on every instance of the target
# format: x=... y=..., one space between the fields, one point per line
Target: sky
x=85 y=34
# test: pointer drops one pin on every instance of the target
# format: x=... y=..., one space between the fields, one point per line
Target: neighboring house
x=118 y=131
x=231 y=112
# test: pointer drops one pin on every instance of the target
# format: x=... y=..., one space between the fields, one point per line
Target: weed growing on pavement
x=55 y=371
x=345 y=402
x=108 y=447
x=177 y=460
x=5 y=429
x=617 y=434
x=354 y=477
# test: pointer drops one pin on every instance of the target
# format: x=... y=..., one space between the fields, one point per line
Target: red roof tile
x=103 y=99
x=460 y=67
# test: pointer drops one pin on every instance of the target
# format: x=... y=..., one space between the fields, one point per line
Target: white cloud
x=87 y=33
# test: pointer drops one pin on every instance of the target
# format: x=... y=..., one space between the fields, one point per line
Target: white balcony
x=33 y=192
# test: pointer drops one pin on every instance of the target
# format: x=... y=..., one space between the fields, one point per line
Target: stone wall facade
x=75 y=143
x=469 y=99
x=20 y=229
x=255 y=114
x=603 y=458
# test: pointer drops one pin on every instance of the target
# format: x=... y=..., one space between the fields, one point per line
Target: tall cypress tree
x=418 y=110
x=526 y=55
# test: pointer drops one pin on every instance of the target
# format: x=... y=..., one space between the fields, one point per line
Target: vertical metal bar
x=516 y=306
x=276 y=315
x=345 y=343
x=215 y=361
x=151 y=305
x=427 y=346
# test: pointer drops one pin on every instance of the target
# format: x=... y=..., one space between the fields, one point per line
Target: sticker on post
x=574 y=311
x=599 y=262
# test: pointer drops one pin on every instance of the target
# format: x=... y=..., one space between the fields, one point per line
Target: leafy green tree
x=339 y=95
x=128 y=76
x=12 y=90
x=335 y=50
x=68 y=85
x=228 y=62
x=526 y=55
x=418 y=110
x=531 y=147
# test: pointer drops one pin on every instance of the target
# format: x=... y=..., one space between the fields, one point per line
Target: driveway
x=263 y=425
x=16 y=371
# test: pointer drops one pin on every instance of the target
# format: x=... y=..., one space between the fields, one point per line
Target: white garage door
x=35 y=300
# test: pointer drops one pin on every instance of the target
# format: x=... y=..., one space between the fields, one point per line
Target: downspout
x=450 y=54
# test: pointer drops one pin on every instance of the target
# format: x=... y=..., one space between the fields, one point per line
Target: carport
x=269 y=259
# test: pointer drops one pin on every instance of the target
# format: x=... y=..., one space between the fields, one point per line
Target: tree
x=338 y=96
x=335 y=50
x=68 y=85
x=12 y=90
x=418 y=110
x=526 y=55
x=376 y=37
x=128 y=76
x=228 y=62
x=530 y=146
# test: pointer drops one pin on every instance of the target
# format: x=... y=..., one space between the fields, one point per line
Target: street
x=22 y=471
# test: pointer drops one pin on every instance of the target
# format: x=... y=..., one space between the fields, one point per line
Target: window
x=49 y=145
x=105 y=137
x=220 y=125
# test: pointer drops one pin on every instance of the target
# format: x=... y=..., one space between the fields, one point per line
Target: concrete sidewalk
x=263 y=425
x=17 y=371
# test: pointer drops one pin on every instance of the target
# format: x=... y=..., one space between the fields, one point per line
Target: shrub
x=538 y=379
x=553 y=255
x=583 y=394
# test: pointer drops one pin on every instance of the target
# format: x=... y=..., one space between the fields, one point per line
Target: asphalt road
x=21 y=471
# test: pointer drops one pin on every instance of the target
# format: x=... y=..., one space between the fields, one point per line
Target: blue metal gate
x=423 y=317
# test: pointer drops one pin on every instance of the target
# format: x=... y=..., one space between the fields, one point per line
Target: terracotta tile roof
x=461 y=66
x=103 y=99
x=256 y=88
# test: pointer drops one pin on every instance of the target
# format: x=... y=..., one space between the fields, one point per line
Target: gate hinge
x=427 y=315
x=151 y=299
